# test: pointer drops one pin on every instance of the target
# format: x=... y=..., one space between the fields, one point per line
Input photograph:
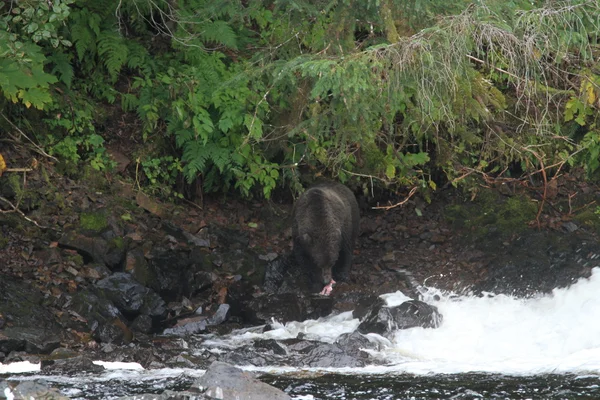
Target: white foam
x=19 y=367
x=110 y=365
x=503 y=334
x=555 y=333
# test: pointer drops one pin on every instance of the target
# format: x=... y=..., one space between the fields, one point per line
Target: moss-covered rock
x=93 y=221
x=589 y=218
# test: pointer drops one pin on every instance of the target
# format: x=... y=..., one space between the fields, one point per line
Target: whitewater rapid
x=554 y=333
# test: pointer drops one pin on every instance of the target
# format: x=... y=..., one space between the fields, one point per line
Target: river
x=546 y=347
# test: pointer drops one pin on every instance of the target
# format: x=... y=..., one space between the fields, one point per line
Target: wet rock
x=270 y=345
x=182 y=235
x=70 y=366
x=538 y=262
x=142 y=323
x=102 y=317
x=27 y=390
x=355 y=342
x=95 y=248
x=284 y=307
x=413 y=313
x=27 y=324
x=29 y=339
x=176 y=273
x=136 y=265
x=223 y=381
x=130 y=297
x=275 y=274
x=220 y=316
x=323 y=355
x=186 y=327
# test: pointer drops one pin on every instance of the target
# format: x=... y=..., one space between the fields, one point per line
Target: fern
x=220 y=32
x=84 y=31
x=195 y=155
x=62 y=67
x=113 y=49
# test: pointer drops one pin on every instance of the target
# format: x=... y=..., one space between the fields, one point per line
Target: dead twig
x=16 y=209
x=410 y=194
x=38 y=149
x=17 y=170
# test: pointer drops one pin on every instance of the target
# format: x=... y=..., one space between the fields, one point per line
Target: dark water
x=462 y=386
x=360 y=387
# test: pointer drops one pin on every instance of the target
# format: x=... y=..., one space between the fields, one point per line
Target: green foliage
x=161 y=173
x=245 y=95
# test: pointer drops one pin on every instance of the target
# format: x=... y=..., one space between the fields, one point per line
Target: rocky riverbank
x=95 y=269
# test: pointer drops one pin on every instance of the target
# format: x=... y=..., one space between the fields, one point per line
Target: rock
x=270 y=345
x=223 y=381
x=187 y=327
x=538 y=262
x=173 y=273
x=121 y=159
x=70 y=366
x=27 y=390
x=130 y=297
x=136 y=265
x=94 y=248
x=30 y=339
x=284 y=307
x=324 y=355
x=413 y=313
x=102 y=317
x=150 y=205
x=570 y=226
x=354 y=343
x=275 y=274
x=27 y=325
x=142 y=323
x=220 y=316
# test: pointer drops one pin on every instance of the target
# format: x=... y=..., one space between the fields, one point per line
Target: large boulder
x=25 y=324
x=384 y=320
x=95 y=248
x=223 y=381
x=130 y=297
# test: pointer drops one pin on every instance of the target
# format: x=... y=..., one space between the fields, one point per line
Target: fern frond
x=220 y=32
x=138 y=58
x=113 y=49
x=62 y=67
x=195 y=156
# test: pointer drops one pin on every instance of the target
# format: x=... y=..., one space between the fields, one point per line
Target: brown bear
x=324 y=229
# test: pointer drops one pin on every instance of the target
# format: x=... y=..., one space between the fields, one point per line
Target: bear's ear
x=306 y=239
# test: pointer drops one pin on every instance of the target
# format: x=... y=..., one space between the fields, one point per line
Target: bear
x=324 y=228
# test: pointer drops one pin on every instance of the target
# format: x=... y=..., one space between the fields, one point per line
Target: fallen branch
x=410 y=194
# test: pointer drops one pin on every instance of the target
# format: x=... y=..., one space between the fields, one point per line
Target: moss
x=588 y=218
x=26 y=199
x=118 y=243
x=76 y=258
x=93 y=221
x=492 y=212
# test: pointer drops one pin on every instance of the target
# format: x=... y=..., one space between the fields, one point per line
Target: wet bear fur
x=324 y=228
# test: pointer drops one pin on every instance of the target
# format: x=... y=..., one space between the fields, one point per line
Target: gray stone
x=384 y=320
x=223 y=381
